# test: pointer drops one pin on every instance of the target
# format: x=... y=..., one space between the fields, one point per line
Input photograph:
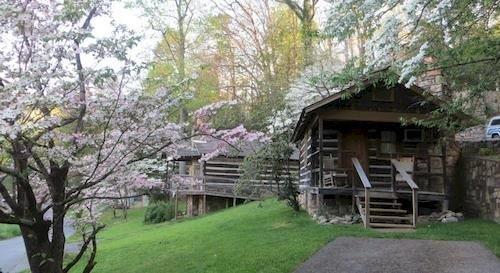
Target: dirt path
x=366 y=255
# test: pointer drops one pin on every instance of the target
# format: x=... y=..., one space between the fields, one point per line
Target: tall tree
x=266 y=42
x=456 y=40
x=70 y=130
x=173 y=19
x=305 y=11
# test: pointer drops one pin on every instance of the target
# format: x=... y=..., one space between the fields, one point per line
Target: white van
x=493 y=128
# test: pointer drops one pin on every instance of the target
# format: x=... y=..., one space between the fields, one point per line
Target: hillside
x=256 y=237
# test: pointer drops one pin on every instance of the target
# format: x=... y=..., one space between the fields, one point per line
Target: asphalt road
x=364 y=255
x=13 y=254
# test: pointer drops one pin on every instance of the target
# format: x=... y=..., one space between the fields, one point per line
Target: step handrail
x=366 y=184
x=406 y=177
x=414 y=189
x=361 y=173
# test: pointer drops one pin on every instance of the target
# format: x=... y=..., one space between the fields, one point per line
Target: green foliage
x=458 y=39
x=8 y=231
x=229 y=117
x=274 y=160
x=159 y=212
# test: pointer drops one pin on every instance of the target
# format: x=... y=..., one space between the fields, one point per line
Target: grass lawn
x=8 y=231
x=251 y=238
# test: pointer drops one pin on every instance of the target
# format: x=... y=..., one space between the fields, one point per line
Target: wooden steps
x=386 y=211
x=387 y=217
x=385 y=204
x=385 y=225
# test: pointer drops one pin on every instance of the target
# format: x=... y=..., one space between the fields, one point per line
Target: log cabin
x=357 y=156
x=213 y=184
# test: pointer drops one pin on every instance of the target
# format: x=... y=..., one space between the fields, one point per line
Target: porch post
x=415 y=207
x=176 y=204
x=320 y=153
x=393 y=178
x=367 y=208
x=204 y=204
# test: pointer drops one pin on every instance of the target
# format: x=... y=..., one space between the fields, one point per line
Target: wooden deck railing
x=413 y=186
x=367 y=186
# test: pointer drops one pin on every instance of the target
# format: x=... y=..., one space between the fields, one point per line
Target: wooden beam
x=374 y=116
x=204 y=204
x=176 y=204
x=367 y=207
x=320 y=154
x=361 y=173
x=414 y=198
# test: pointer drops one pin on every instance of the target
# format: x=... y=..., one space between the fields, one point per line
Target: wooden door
x=354 y=144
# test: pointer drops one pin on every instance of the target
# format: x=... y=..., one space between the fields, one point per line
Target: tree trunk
x=306 y=15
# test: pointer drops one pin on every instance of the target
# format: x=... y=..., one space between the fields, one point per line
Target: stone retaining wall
x=481 y=180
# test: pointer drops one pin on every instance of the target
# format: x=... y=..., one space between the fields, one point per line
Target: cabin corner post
x=202 y=174
x=320 y=153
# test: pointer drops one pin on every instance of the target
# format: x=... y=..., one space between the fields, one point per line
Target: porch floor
x=365 y=255
x=347 y=191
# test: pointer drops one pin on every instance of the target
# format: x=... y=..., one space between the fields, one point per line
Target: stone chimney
x=432 y=81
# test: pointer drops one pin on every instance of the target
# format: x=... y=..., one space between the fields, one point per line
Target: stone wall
x=481 y=180
x=326 y=204
x=476 y=133
x=482 y=148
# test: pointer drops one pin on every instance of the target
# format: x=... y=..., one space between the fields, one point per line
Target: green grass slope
x=266 y=237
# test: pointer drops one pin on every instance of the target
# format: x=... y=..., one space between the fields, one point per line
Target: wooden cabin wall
x=222 y=173
x=404 y=101
x=305 y=148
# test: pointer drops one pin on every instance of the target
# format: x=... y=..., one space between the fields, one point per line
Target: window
x=387 y=142
x=413 y=135
x=495 y=122
x=383 y=94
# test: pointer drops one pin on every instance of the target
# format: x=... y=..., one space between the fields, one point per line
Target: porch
x=383 y=166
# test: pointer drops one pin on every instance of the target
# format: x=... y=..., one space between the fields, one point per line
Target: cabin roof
x=196 y=149
x=309 y=111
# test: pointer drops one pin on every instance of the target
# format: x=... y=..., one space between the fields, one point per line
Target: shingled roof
x=197 y=148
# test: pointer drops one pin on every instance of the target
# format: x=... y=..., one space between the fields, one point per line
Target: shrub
x=158 y=212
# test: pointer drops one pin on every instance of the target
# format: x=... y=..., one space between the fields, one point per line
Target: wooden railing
x=367 y=186
x=413 y=186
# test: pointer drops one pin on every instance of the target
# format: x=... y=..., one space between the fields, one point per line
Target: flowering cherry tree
x=73 y=129
x=228 y=139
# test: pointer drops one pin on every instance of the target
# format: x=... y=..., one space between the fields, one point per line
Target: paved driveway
x=366 y=255
x=13 y=253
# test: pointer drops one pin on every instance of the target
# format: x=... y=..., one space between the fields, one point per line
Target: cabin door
x=354 y=144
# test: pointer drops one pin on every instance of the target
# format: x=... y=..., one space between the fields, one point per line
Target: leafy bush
x=159 y=212
x=8 y=231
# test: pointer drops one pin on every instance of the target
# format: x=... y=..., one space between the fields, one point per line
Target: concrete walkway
x=365 y=255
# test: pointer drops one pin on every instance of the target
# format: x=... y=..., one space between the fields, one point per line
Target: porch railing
x=413 y=186
x=367 y=186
